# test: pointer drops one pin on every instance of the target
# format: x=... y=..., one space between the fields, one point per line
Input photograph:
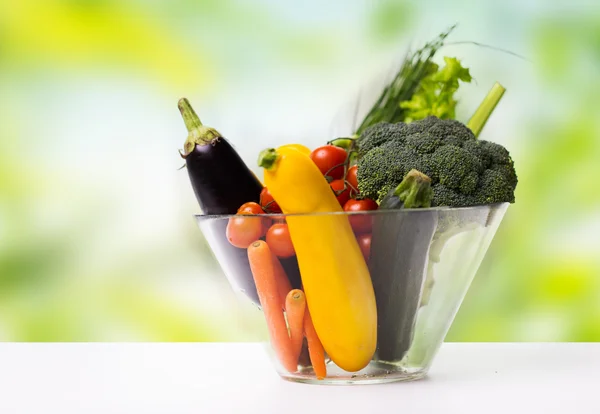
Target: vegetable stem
x=191 y=119
x=415 y=190
x=345 y=143
x=198 y=134
x=485 y=109
x=267 y=158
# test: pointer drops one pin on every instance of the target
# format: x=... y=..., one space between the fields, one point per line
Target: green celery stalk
x=487 y=106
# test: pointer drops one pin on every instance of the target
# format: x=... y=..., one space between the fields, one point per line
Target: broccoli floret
x=478 y=148
x=507 y=171
x=494 y=187
x=497 y=153
x=384 y=167
x=454 y=164
x=423 y=142
x=463 y=170
x=379 y=134
x=444 y=196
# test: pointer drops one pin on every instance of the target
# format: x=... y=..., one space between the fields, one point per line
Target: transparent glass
x=421 y=263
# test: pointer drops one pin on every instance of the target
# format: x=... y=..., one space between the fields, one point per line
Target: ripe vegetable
x=263 y=270
x=464 y=171
x=399 y=252
x=352 y=180
x=292 y=271
x=281 y=279
x=364 y=241
x=221 y=182
x=334 y=274
x=279 y=240
x=268 y=203
x=255 y=209
x=361 y=223
x=219 y=177
x=302 y=148
x=330 y=160
x=250 y=208
x=243 y=231
x=341 y=191
x=295 y=305
x=315 y=347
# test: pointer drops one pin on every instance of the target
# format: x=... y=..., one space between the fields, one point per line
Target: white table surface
x=237 y=378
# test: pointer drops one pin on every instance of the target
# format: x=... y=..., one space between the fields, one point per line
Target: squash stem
x=267 y=158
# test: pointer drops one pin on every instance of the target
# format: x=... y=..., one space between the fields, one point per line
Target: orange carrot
x=295 y=304
x=282 y=281
x=263 y=271
x=315 y=348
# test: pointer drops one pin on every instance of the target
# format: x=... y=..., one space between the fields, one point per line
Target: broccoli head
x=379 y=134
x=384 y=167
x=464 y=171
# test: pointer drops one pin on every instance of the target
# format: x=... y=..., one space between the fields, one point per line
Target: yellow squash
x=334 y=274
x=303 y=149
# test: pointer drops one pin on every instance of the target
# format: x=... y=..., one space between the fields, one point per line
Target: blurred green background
x=97 y=239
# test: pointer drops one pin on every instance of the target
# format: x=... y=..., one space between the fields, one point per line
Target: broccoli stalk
x=399 y=253
x=413 y=192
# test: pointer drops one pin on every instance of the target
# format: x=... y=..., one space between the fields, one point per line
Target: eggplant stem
x=198 y=134
x=191 y=119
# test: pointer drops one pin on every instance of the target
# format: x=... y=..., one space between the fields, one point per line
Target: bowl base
x=374 y=373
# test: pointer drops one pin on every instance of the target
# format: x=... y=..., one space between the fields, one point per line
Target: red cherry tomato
x=250 y=208
x=364 y=241
x=361 y=223
x=243 y=231
x=352 y=179
x=268 y=203
x=342 y=192
x=330 y=160
x=279 y=240
x=254 y=208
x=279 y=220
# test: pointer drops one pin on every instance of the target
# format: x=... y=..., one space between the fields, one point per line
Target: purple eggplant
x=222 y=182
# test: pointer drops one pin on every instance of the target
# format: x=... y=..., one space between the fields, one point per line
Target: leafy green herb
x=415 y=67
x=435 y=95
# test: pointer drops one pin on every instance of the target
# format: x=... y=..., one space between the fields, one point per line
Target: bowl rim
x=353 y=213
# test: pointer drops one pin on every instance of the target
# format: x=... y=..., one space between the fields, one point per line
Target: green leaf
x=435 y=95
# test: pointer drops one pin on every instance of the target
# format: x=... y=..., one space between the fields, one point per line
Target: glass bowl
x=420 y=265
